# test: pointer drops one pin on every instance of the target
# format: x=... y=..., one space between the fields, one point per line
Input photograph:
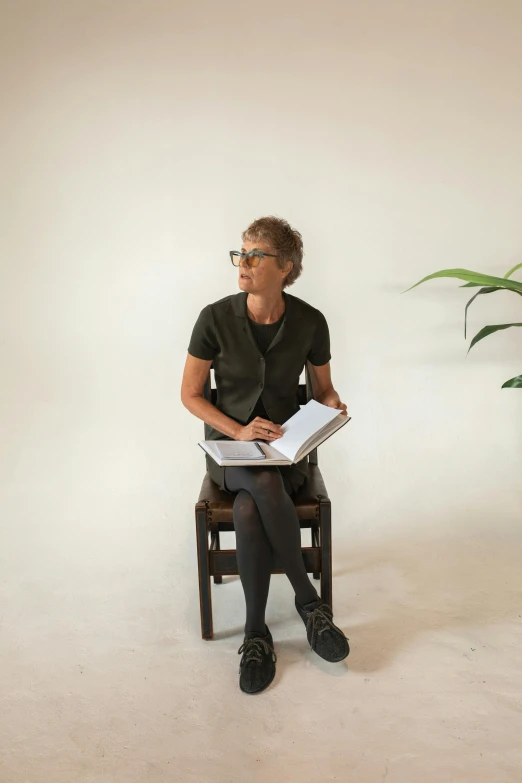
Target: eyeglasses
x=253 y=258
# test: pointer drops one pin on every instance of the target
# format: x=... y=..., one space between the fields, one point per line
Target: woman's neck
x=265 y=309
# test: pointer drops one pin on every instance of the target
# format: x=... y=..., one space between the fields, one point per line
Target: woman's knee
x=268 y=482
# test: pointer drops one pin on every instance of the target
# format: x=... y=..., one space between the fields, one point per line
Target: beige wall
x=140 y=140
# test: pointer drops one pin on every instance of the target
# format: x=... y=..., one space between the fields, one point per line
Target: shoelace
x=252 y=650
x=321 y=620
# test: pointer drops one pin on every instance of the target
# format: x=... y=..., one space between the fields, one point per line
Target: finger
x=270 y=424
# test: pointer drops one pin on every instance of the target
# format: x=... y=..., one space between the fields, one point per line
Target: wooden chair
x=214 y=515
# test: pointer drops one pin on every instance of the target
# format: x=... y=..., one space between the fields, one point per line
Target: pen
x=260 y=449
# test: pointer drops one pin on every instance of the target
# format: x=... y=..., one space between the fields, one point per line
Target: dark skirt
x=294 y=476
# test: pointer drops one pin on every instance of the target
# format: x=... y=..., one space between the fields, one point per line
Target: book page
x=323 y=435
x=303 y=425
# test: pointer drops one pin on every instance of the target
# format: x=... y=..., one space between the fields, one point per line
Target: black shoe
x=257 y=667
x=325 y=638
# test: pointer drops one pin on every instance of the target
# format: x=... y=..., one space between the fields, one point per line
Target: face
x=266 y=275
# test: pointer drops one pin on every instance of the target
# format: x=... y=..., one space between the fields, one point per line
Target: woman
x=258 y=341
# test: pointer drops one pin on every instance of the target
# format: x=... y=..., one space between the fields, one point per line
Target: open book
x=302 y=432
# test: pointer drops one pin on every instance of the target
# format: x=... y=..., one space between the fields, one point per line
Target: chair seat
x=219 y=504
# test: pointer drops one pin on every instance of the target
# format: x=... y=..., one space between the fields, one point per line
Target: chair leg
x=205 y=592
x=325 y=524
x=315 y=542
x=218 y=579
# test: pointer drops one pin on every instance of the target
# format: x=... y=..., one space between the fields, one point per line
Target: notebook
x=239 y=449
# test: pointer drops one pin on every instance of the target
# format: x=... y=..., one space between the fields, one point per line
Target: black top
x=264 y=334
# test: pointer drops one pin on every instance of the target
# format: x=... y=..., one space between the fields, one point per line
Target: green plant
x=489 y=285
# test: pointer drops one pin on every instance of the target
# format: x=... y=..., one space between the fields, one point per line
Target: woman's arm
x=195 y=375
x=322 y=386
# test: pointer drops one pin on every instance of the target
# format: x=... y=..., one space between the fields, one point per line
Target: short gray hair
x=286 y=242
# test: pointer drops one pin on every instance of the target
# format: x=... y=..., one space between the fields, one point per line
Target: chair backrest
x=304 y=394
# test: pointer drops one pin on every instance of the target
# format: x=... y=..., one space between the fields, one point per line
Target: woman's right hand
x=257 y=430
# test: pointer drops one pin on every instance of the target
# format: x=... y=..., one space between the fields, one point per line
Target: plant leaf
x=472 y=277
x=487 y=330
x=487 y=290
x=518 y=266
x=472 y=285
x=514 y=383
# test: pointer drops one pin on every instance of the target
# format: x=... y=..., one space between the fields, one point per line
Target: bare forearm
x=326 y=394
x=208 y=413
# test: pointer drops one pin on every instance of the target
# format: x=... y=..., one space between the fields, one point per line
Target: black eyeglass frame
x=259 y=254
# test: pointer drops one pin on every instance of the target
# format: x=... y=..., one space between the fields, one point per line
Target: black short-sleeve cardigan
x=245 y=376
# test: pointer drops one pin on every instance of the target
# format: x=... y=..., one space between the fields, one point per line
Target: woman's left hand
x=332 y=400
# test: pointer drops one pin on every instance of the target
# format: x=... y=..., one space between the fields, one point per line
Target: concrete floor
x=104 y=676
